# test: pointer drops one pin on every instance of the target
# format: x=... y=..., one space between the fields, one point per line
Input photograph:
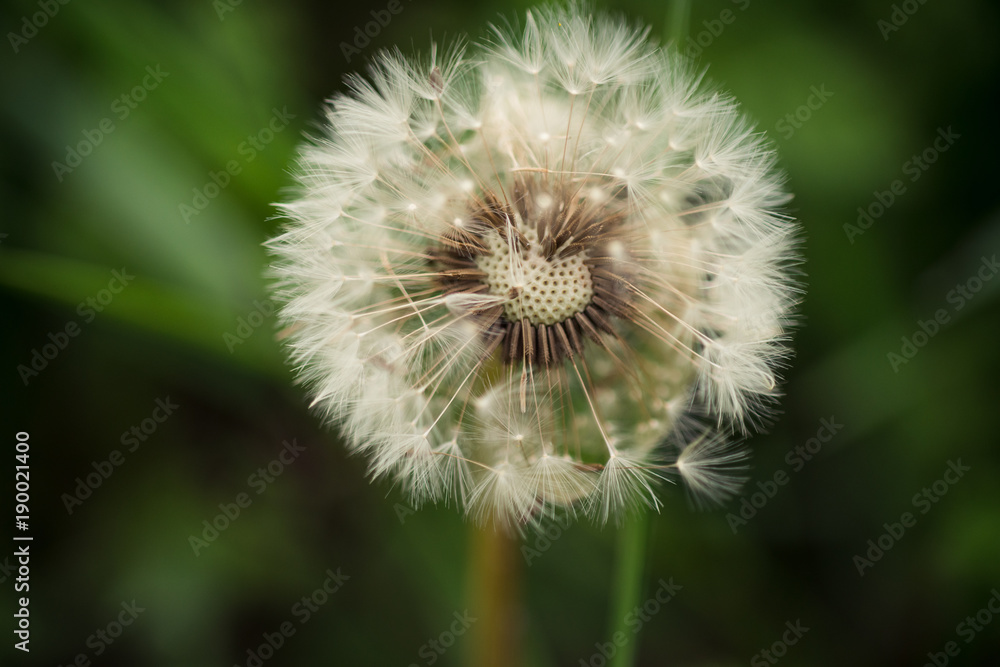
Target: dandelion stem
x=495 y=582
x=678 y=21
x=627 y=585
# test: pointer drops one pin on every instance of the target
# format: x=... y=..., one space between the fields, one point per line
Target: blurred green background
x=849 y=97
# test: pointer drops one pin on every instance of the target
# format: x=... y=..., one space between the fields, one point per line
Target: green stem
x=678 y=19
x=627 y=585
x=495 y=598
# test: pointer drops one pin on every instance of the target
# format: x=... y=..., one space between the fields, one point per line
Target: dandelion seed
x=513 y=270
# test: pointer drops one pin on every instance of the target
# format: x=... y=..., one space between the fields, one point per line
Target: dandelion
x=543 y=272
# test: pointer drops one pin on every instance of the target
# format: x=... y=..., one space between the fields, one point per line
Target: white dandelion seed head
x=515 y=272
